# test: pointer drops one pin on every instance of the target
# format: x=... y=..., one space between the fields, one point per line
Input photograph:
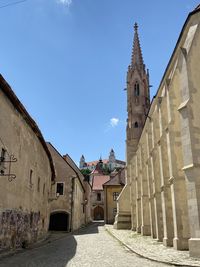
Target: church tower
x=138 y=98
x=112 y=160
x=112 y=156
x=82 y=162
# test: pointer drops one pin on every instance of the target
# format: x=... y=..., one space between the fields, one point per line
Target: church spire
x=137 y=97
x=137 y=60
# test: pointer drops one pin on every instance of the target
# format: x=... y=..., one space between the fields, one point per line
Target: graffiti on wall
x=18 y=228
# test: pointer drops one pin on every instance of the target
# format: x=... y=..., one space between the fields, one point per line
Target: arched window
x=137 y=89
x=136 y=124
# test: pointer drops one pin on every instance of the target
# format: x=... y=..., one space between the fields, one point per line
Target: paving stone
x=89 y=247
x=151 y=249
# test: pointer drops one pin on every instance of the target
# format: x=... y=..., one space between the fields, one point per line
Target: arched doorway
x=59 y=221
x=98 y=213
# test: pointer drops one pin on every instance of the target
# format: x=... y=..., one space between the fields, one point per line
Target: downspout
x=106 y=207
x=72 y=203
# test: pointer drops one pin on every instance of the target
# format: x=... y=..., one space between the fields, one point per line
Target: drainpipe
x=72 y=203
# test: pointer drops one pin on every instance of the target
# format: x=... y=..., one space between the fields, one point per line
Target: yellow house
x=112 y=189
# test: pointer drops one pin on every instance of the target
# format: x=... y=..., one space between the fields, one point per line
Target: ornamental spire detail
x=137 y=59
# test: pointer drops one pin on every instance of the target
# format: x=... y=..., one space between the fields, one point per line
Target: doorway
x=98 y=213
x=59 y=222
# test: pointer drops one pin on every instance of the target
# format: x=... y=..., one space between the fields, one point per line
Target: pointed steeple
x=137 y=59
x=137 y=97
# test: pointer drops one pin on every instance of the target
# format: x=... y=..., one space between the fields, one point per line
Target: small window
x=2 y=159
x=31 y=177
x=38 y=185
x=60 y=189
x=3 y=154
x=115 y=195
x=98 y=196
x=44 y=188
x=114 y=211
x=137 y=89
x=136 y=124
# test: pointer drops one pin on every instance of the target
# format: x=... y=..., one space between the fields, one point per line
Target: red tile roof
x=94 y=163
x=118 y=179
x=97 y=171
x=98 y=181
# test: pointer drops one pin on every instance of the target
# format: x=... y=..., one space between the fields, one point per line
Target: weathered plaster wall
x=73 y=196
x=109 y=203
x=78 y=210
x=24 y=214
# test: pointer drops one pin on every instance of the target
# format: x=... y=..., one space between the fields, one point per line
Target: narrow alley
x=91 y=246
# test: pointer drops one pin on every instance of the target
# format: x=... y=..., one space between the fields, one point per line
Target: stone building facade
x=36 y=182
x=97 y=179
x=26 y=174
x=112 y=189
x=69 y=195
x=81 y=204
x=162 y=190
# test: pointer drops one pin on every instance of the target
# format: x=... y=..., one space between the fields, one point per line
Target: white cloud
x=114 y=122
x=65 y=2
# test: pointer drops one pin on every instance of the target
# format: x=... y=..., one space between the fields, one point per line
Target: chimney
x=65 y=157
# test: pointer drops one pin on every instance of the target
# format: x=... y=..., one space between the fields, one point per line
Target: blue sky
x=67 y=63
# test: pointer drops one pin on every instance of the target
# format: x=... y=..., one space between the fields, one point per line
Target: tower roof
x=137 y=59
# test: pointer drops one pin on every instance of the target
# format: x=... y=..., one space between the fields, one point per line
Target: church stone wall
x=164 y=172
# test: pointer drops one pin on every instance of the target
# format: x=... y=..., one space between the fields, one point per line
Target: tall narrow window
x=2 y=159
x=60 y=189
x=115 y=195
x=136 y=124
x=98 y=196
x=31 y=177
x=3 y=154
x=137 y=89
x=38 y=185
x=43 y=189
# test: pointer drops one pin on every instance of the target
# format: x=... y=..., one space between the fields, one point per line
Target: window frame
x=136 y=89
x=115 y=196
x=99 y=198
x=63 y=183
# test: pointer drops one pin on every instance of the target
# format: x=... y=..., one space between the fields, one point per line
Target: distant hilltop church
x=111 y=163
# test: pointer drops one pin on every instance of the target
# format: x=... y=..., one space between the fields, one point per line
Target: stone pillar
x=164 y=172
x=145 y=216
x=156 y=183
x=178 y=193
x=138 y=192
x=150 y=184
x=133 y=194
x=168 y=230
x=151 y=201
x=190 y=147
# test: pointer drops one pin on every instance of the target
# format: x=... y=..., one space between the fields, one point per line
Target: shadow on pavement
x=54 y=254
x=92 y=228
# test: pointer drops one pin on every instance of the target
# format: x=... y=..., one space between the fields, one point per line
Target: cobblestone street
x=89 y=247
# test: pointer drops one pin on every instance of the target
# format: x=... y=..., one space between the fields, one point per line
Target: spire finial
x=135 y=26
x=137 y=59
